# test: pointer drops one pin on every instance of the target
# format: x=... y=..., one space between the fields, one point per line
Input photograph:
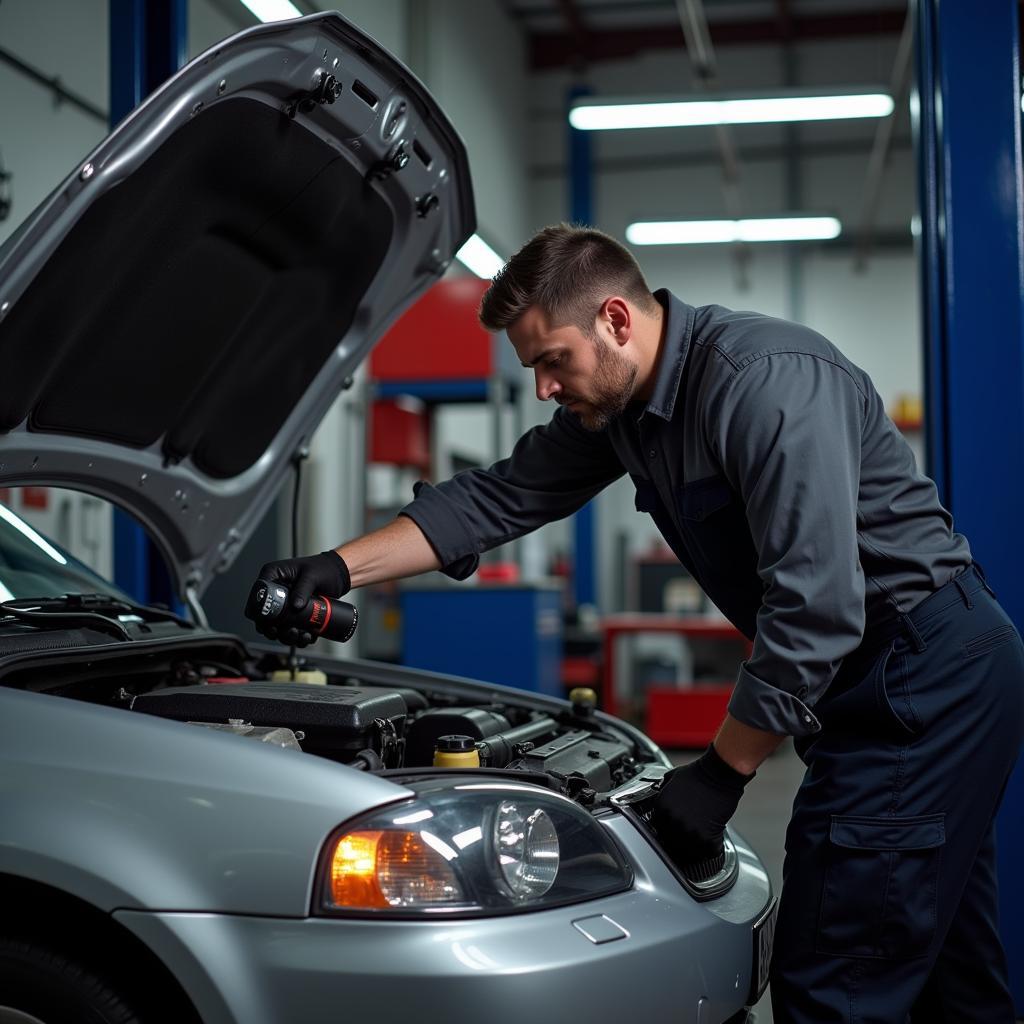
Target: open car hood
x=178 y=316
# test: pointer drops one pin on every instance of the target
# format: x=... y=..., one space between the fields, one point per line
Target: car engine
x=375 y=728
x=358 y=717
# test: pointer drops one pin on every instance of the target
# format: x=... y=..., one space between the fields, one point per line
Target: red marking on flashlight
x=327 y=617
x=316 y=611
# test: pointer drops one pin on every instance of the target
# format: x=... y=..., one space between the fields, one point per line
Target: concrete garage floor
x=762 y=817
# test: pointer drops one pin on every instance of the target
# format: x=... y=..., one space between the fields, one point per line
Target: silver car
x=187 y=831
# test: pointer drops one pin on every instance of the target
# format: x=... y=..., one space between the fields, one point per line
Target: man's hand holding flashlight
x=314 y=576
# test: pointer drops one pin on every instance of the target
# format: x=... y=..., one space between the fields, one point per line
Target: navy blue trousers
x=889 y=902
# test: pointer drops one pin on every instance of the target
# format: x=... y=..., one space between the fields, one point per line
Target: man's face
x=591 y=376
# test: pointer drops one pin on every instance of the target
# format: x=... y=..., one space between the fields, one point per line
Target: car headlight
x=468 y=849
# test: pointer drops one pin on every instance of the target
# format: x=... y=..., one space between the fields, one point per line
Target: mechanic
x=770 y=467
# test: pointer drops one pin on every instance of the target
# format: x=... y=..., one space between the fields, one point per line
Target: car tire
x=39 y=984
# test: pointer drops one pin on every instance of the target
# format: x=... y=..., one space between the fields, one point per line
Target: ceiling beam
x=577 y=32
x=784 y=19
x=645 y=163
x=561 y=49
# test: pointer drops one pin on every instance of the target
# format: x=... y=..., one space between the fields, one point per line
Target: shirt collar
x=679 y=318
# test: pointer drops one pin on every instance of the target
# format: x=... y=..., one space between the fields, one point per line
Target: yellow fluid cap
x=583 y=695
x=456 y=752
x=309 y=675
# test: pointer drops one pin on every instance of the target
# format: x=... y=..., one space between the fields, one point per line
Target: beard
x=611 y=389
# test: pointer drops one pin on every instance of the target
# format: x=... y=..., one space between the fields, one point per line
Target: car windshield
x=32 y=566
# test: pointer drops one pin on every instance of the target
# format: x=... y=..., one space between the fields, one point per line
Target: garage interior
x=905 y=202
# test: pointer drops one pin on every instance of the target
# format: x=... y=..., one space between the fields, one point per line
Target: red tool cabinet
x=674 y=716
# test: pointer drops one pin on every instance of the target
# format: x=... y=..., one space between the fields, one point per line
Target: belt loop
x=981 y=576
x=914 y=636
x=963 y=592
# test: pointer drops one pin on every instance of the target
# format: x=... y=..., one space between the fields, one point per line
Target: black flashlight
x=270 y=604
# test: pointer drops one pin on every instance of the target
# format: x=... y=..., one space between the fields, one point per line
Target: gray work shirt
x=770 y=467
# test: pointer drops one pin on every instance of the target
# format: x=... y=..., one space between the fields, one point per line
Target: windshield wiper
x=86 y=610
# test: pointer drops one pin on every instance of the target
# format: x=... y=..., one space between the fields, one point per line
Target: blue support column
x=127 y=57
x=968 y=136
x=581 y=188
x=148 y=43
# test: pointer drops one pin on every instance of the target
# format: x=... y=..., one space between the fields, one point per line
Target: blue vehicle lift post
x=148 y=43
x=968 y=138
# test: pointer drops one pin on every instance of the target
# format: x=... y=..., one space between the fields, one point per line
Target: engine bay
x=369 y=716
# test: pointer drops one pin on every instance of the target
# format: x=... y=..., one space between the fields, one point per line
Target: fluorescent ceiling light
x=590 y=115
x=273 y=10
x=761 y=229
x=479 y=257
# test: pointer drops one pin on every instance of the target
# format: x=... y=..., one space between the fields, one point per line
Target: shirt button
x=651 y=453
x=808 y=719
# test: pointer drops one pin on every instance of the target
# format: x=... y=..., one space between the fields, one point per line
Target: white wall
x=476 y=67
x=40 y=141
x=481 y=88
x=208 y=25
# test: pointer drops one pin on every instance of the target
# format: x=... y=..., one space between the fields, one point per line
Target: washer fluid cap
x=455 y=744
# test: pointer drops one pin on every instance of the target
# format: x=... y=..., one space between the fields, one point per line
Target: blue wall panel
x=507 y=635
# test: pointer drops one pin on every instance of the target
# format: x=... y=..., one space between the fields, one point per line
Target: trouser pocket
x=880 y=886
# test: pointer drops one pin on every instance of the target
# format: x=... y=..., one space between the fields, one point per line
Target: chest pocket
x=646 y=499
x=702 y=498
x=714 y=525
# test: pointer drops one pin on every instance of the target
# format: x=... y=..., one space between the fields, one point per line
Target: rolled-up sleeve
x=553 y=471
x=788 y=433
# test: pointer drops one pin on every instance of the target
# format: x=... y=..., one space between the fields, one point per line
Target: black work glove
x=691 y=810
x=325 y=574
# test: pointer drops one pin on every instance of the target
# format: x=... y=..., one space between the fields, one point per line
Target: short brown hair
x=567 y=271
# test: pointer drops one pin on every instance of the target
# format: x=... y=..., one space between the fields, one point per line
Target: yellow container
x=307 y=675
x=456 y=752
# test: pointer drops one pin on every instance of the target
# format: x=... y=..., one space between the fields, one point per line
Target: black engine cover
x=334 y=718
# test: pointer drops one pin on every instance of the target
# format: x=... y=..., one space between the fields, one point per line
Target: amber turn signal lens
x=383 y=870
x=354 y=871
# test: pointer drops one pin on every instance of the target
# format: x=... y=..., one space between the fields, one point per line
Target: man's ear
x=617 y=318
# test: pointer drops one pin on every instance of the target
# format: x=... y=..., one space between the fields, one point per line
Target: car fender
x=125 y=810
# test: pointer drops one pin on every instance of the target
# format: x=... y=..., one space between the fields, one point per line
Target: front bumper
x=667 y=953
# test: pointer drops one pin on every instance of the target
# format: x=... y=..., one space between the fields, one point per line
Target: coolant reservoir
x=456 y=752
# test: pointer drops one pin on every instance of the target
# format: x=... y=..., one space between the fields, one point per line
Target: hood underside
x=178 y=316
